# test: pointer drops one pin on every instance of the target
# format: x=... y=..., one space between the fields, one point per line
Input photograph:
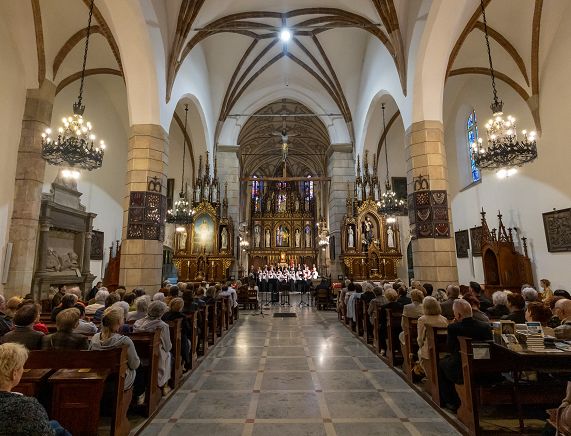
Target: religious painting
x=203 y=235
x=462 y=243
x=476 y=240
x=282 y=236
x=557 y=226
x=97 y=240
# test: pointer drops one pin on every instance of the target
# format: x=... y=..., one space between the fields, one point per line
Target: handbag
x=563 y=422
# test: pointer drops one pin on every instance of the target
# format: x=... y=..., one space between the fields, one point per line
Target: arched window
x=308 y=187
x=257 y=187
x=472 y=139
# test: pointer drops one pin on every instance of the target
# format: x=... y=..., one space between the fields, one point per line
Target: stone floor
x=300 y=376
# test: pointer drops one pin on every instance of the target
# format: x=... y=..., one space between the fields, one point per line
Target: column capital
x=339 y=148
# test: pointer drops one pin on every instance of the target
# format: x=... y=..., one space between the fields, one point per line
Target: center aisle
x=295 y=376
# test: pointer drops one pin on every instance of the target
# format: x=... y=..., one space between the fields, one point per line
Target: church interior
x=317 y=217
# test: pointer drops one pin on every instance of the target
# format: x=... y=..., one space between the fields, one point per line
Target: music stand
x=284 y=297
x=260 y=305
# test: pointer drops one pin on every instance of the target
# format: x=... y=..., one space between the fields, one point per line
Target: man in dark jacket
x=24 y=332
x=485 y=302
x=64 y=339
x=450 y=368
x=453 y=292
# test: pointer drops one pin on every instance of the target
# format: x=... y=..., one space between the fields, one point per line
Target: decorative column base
x=144 y=208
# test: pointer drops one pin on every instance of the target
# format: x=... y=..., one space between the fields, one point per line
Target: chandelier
x=75 y=146
x=323 y=233
x=389 y=204
x=504 y=151
x=181 y=213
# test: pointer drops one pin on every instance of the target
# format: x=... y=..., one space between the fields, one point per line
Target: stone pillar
x=144 y=208
x=229 y=172
x=341 y=169
x=434 y=253
x=30 y=169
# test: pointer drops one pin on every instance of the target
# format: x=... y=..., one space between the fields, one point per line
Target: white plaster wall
x=12 y=100
x=103 y=189
x=538 y=187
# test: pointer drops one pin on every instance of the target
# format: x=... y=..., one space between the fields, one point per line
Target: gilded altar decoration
x=204 y=249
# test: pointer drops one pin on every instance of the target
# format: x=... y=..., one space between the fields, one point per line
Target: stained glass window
x=472 y=139
x=257 y=187
x=308 y=188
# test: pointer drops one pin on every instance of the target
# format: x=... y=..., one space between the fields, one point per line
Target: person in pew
x=129 y=298
x=5 y=323
x=139 y=292
x=125 y=328
x=84 y=327
x=109 y=301
x=91 y=294
x=538 y=312
x=562 y=293
x=516 y=305
x=109 y=338
x=64 y=339
x=476 y=289
x=403 y=297
x=394 y=306
x=200 y=298
x=529 y=295
x=379 y=301
x=368 y=295
x=77 y=292
x=159 y=296
x=150 y=323
x=175 y=312
x=142 y=305
x=545 y=291
x=189 y=304
x=68 y=301
x=21 y=415
x=476 y=312
x=100 y=297
x=554 y=321
x=439 y=294
x=173 y=292
x=500 y=307
x=450 y=368
x=414 y=285
x=56 y=299
x=12 y=306
x=432 y=316
x=24 y=332
x=563 y=312
x=452 y=292
x=412 y=310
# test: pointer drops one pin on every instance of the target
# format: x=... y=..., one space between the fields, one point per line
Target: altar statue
x=257 y=236
x=268 y=238
x=350 y=237
x=390 y=237
x=307 y=237
x=224 y=239
x=297 y=238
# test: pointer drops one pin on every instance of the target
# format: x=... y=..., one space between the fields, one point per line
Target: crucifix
x=284 y=136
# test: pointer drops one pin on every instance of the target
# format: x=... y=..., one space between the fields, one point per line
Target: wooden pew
x=175 y=330
x=359 y=316
x=394 y=352
x=33 y=382
x=203 y=327
x=367 y=326
x=114 y=361
x=193 y=321
x=148 y=345
x=474 y=393
x=376 y=330
x=436 y=338
x=212 y=316
x=410 y=350
x=221 y=310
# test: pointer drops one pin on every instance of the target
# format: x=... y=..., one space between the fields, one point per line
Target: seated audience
x=500 y=307
x=139 y=292
x=563 y=312
x=100 y=297
x=93 y=291
x=5 y=322
x=210 y=297
x=109 y=301
x=368 y=295
x=108 y=339
x=159 y=296
x=84 y=327
x=21 y=415
x=539 y=312
x=377 y=302
x=432 y=316
x=77 y=292
x=125 y=328
x=476 y=289
x=351 y=301
x=64 y=339
x=24 y=332
x=175 y=312
x=439 y=294
x=464 y=290
x=67 y=301
x=129 y=298
x=562 y=293
x=172 y=293
x=516 y=305
x=394 y=306
x=554 y=321
x=546 y=291
x=452 y=292
x=142 y=305
x=12 y=305
x=150 y=323
x=529 y=295
x=414 y=285
x=412 y=310
x=56 y=299
x=477 y=314
x=403 y=297
x=450 y=368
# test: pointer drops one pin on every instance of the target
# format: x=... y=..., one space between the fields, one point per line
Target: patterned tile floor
x=301 y=376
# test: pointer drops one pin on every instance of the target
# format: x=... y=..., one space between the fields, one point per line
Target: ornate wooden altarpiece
x=370 y=246
x=282 y=225
x=504 y=267
x=205 y=250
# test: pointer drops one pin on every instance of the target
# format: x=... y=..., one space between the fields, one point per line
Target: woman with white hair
x=142 y=304
x=500 y=307
x=100 y=297
x=150 y=323
x=529 y=295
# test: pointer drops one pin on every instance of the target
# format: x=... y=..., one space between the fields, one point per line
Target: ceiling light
x=285 y=35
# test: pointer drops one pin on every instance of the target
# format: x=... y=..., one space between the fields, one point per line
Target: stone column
x=229 y=172
x=30 y=169
x=434 y=253
x=143 y=216
x=341 y=169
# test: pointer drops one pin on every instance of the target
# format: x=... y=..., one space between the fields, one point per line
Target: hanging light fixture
x=181 y=213
x=389 y=204
x=75 y=146
x=503 y=152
